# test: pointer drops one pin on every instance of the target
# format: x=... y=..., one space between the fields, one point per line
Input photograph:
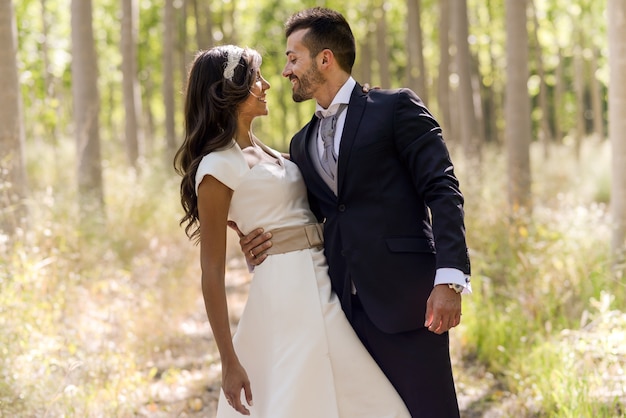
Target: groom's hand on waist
x=254 y=245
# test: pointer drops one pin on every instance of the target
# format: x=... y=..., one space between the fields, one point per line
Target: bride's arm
x=213 y=203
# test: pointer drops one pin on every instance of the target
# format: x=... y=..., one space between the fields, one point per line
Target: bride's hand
x=367 y=88
x=234 y=379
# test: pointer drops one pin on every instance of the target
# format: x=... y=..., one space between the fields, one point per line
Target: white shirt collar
x=342 y=97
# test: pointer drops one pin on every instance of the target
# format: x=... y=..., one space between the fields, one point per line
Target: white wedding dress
x=300 y=352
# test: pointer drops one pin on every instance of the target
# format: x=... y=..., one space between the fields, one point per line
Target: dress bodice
x=268 y=195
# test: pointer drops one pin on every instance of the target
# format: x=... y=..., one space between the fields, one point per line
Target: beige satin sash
x=294 y=238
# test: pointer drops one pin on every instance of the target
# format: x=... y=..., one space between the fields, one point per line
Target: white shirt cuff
x=453 y=276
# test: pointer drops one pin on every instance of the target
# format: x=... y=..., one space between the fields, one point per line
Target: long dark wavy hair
x=211 y=103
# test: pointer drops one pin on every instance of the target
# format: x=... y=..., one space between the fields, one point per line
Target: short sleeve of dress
x=227 y=165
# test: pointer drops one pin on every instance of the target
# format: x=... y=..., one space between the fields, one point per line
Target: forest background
x=100 y=307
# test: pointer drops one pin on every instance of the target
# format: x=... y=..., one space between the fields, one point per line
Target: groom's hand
x=443 y=309
x=254 y=244
x=366 y=88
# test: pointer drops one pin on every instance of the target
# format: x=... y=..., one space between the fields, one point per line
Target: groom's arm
x=254 y=245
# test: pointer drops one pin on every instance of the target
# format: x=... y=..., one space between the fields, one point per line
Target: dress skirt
x=300 y=352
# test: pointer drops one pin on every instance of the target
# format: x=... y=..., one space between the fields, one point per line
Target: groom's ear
x=327 y=56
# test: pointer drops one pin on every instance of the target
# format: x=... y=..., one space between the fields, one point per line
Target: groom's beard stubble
x=306 y=84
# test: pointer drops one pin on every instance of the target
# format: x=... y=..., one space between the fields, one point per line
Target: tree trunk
x=559 y=93
x=204 y=24
x=617 y=124
x=467 y=113
x=517 y=105
x=416 y=70
x=12 y=165
x=545 y=133
x=182 y=42
x=149 y=91
x=132 y=97
x=230 y=26
x=382 y=48
x=365 y=75
x=86 y=111
x=494 y=99
x=168 y=79
x=596 y=97
x=480 y=128
x=443 y=82
x=579 y=88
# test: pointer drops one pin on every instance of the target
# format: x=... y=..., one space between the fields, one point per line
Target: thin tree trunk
x=477 y=100
x=12 y=165
x=617 y=126
x=204 y=24
x=382 y=47
x=559 y=92
x=168 y=79
x=233 y=36
x=517 y=105
x=182 y=41
x=596 y=97
x=45 y=56
x=467 y=113
x=496 y=90
x=416 y=70
x=544 y=124
x=149 y=90
x=366 y=59
x=443 y=82
x=52 y=97
x=132 y=97
x=86 y=112
x=579 y=88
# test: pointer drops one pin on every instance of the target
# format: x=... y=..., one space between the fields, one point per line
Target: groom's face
x=301 y=69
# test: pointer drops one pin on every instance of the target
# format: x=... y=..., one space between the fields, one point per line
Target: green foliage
x=534 y=317
x=564 y=28
x=580 y=368
x=81 y=317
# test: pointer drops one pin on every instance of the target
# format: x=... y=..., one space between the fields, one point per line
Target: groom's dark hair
x=328 y=29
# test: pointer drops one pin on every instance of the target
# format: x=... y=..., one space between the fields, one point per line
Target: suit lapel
x=356 y=107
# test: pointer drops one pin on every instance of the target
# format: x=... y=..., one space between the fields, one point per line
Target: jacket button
x=341 y=208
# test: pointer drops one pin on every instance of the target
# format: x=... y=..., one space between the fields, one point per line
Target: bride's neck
x=244 y=139
x=244 y=135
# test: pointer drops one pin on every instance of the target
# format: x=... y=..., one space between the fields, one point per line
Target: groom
x=394 y=229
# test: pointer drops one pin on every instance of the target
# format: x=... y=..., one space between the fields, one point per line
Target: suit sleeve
x=420 y=144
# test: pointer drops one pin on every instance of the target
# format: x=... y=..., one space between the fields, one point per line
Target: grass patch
x=81 y=318
x=84 y=319
x=538 y=279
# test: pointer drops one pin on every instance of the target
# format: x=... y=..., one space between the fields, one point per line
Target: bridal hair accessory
x=233 y=54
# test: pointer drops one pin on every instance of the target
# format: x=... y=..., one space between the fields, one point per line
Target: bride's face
x=256 y=103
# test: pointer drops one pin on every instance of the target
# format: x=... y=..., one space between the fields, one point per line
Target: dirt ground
x=187 y=384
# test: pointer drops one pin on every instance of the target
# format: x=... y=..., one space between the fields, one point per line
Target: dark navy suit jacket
x=398 y=215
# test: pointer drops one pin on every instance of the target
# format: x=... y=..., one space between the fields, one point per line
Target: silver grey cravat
x=328 y=126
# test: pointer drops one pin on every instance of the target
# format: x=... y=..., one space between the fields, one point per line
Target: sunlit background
x=100 y=304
